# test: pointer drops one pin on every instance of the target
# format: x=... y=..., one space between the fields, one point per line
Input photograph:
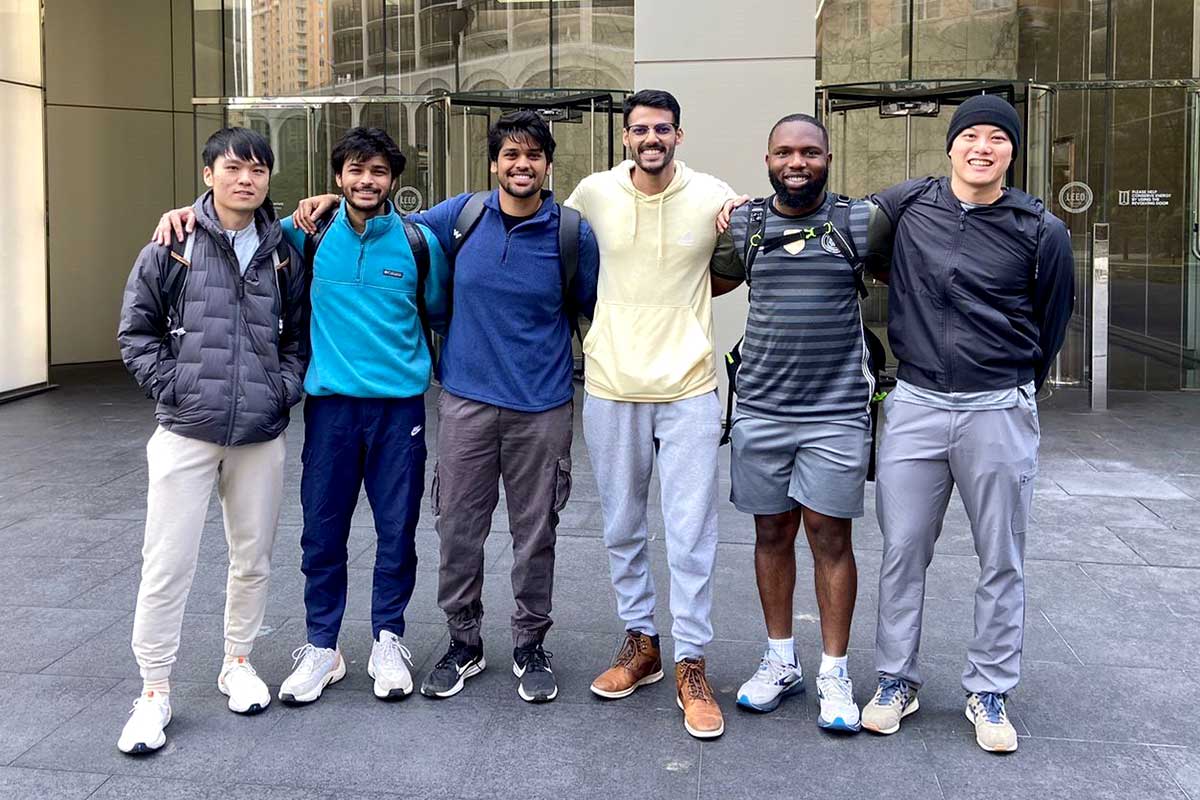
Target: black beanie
x=985 y=109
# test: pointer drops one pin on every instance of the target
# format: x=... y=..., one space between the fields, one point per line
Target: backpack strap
x=568 y=259
x=755 y=231
x=839 y=229
x=733 y=361
x=281 y=259
x=420 y=250
x=467 y=219
x=175 y=280
x=313 y=240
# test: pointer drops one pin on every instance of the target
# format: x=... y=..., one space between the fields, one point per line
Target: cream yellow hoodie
x=651 y=338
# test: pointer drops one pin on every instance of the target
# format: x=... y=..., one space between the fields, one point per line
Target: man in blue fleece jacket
x=364 y=420
x=506 y=408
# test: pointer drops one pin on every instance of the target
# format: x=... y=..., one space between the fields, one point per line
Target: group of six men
x=231 y=316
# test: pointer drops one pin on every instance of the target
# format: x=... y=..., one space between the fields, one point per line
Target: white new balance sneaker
x=315 y=668
x=839 y=712
x=143 y=732
x=393 y=680
x=246 y=691
x=773 y=681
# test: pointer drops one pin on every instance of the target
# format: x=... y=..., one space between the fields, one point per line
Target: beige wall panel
x=187 y=159
x=22 y=239
x=21 y=41
x=671 y=30
x=107 y=189
x=101 y=57
x=181 y=29
x=728 y=109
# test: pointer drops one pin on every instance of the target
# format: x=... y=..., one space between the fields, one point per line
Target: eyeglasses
x=661 y=129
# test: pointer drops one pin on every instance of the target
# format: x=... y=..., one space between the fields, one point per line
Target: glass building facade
x=1108 y=91
x=1107 y=88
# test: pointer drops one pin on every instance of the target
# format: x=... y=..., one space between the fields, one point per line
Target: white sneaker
x=143 y=732
x=839 y=712
x=773 y=681
x=246 y=691
x=393 y=681
x=315 y=668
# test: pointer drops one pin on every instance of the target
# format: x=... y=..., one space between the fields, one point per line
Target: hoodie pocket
x=640 y=351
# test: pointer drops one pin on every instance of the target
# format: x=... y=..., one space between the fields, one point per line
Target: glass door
x=1191 y=288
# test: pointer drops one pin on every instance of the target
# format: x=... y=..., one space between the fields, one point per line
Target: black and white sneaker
x=532 y=665
x=446 y=679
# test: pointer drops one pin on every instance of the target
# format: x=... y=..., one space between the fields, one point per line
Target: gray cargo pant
x=625 y=440
x=478 y=444
x=992 y=457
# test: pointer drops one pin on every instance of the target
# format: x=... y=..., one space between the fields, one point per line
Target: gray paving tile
x=1076 y=702
x=1184 y=767
x=1183 y=514
x=35 y=705
x=591 y=766
x=1063 y=770
x=51 y=581
x=1096 y=511
x=809 y=763
x=17 y=783
x=33 y=638
x=204 y=740
x=1125 y=484
x=58 y=538
x=1176 y=589
x=1172 y=547
x=120 y=787
x=410 y=748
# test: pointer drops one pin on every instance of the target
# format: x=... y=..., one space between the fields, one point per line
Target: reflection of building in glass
x=290 y=54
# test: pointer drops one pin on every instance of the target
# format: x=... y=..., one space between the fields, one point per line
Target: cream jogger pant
x=250 y=484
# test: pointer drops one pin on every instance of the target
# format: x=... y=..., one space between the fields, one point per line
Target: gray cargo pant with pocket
x=991 y=456
x=477 y=445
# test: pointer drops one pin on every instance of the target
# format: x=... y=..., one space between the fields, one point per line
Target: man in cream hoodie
x=651 y=396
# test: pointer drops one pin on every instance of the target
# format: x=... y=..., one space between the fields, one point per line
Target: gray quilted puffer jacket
x=228 y=374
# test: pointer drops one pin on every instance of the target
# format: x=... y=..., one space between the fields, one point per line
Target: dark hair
x=363 y=144
x=243 y=143
x=520 y=125
x=809 y=118
x=654 y=98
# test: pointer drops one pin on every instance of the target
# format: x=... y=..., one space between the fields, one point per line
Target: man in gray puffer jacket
x=217 y=335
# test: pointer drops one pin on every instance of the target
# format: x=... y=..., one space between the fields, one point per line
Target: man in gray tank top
x=801 y=434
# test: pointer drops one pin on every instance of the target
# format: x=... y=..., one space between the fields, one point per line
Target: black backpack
x=568 y=248
x=838 y=227
x=180 y=267
x=420 y=251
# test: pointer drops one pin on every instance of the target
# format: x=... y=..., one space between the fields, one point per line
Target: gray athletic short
x=822 y=466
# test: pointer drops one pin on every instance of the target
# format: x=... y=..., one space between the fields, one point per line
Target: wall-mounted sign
x=1076 y=197
x=1143 y=197
x=408 y=199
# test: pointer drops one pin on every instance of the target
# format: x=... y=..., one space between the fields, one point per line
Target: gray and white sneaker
x=314 y=669
x=393 y=681
x=532 y=665
x=448 y=675
x=839 y=712
x=893 y=701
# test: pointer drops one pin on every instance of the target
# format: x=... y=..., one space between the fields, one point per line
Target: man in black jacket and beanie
x=215 y=332
x=981 y=289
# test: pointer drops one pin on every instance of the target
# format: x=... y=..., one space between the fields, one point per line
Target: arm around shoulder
x=437 y=283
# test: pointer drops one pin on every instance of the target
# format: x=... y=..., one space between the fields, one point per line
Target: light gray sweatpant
x=249 y=480
x=992 y=457
x=624 y=441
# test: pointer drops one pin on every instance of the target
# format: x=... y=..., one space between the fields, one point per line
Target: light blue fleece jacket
x=366 y=334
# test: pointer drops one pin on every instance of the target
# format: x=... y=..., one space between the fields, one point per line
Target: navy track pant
x=349 y=442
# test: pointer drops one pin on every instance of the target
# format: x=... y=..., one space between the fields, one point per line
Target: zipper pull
x=962 y=220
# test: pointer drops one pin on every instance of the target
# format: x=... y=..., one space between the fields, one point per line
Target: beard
x=535 y=186
x=805 y=196
x=668 y=157
x=364 y=207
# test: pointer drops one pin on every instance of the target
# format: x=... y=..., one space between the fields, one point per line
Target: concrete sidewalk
x=1109 y=704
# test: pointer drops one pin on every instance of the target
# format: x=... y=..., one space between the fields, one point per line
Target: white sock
x=784 y=649
x=835 y=664
x=229 y=661
x=161 y=686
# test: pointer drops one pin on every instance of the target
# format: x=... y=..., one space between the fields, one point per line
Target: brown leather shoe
x=701 y=715
x=637 y=664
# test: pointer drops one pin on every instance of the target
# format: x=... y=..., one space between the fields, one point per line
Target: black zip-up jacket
x=230 y=373
x=978 y=298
